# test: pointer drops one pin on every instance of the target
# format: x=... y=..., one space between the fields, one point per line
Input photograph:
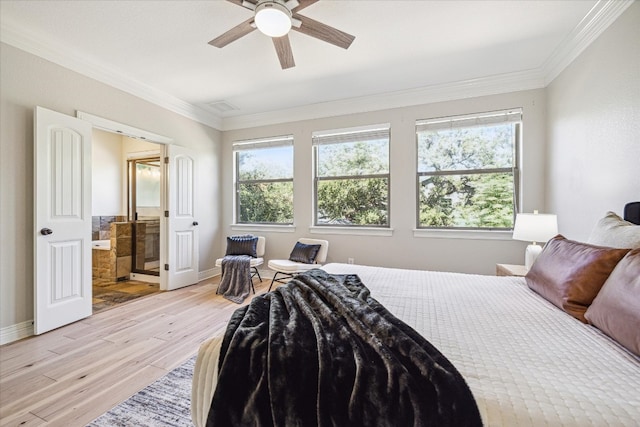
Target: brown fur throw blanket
x=320 y=351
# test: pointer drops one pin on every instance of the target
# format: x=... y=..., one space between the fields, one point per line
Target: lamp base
x=531 y=254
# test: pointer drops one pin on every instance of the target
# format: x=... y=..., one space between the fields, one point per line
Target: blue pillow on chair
x=304 y=253
x=242 y=245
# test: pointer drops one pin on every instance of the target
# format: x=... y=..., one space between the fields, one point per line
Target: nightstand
x=510 y=270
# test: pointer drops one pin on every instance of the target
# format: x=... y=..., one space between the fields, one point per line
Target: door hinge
x=166 y=160
x=166 y=267
x=166 y=214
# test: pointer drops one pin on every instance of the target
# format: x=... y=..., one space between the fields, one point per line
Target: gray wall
x=470 y=255
x=593 y=129
x=28 y=81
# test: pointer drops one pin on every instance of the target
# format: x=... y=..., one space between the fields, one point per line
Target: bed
x=526 y=361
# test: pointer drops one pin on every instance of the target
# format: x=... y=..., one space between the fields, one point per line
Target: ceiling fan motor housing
x=273 y=18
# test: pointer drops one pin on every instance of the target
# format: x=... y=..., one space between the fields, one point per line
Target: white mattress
x=527 y=363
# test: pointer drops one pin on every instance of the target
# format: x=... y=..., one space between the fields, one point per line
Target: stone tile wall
x=121 y=248
x=101 y=264
x=114 y=264
x=101 y=226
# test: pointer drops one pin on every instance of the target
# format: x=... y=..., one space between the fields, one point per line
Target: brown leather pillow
x=569 y=274
x=616 y=309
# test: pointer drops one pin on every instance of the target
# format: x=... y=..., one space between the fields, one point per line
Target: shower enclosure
x=143 y=205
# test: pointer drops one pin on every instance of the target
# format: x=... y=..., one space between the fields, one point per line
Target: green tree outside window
x=352 y=179
x=264 y=184
x=467 y=176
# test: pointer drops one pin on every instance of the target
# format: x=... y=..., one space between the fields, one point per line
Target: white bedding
x=527 y=363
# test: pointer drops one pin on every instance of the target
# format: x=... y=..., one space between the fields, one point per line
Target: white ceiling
x=158 y=49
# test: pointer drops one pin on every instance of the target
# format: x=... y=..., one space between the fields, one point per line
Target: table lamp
x=534 y=227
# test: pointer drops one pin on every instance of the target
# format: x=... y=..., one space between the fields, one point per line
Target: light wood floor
x=70 y=376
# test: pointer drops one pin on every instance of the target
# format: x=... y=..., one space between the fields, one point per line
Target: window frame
x=513 y=116
x=259 y=144
x=345 y=136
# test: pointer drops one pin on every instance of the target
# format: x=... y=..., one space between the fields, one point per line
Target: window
x=468 y=171
x=264 y=181
x=352 y=177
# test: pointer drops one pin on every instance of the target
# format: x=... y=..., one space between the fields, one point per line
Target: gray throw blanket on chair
x=235 y=283
x=319 y=351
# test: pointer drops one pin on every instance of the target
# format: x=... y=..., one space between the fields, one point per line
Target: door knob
x=46 y=231
x=195 y=222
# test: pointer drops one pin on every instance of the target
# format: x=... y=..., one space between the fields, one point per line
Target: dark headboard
x=632 y=212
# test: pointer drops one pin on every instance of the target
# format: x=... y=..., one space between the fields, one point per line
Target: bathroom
x=126 y=212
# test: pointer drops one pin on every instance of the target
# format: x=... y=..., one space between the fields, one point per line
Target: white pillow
x=615 y=232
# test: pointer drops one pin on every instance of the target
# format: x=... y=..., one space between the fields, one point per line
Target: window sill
x=463 y=234
x=272 y=228
x=352 y=231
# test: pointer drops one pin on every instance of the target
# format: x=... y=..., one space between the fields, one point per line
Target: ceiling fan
x=275 y=18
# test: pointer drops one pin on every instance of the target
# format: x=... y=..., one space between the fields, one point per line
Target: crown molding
x=492 y=85
x=603 y=14
x=67 y=59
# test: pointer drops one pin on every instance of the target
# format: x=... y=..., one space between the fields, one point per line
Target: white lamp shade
x=534 y=227
x=273 y=19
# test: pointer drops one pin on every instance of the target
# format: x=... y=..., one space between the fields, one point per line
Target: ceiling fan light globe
x=273 y=19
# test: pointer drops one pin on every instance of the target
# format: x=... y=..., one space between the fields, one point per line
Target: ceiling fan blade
x=283 y=49
x=249 y=4
x=323 y=32
x=233 y=34
x=303 y=4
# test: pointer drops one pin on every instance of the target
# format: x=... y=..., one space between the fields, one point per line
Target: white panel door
x=182 y=221
x=62 y=207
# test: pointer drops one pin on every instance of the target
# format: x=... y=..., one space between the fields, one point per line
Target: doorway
x=63 y=214
x=126 y=210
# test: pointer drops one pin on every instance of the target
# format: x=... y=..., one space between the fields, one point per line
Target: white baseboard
x=207 y=274
x=16 y=332
x=144 y=278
